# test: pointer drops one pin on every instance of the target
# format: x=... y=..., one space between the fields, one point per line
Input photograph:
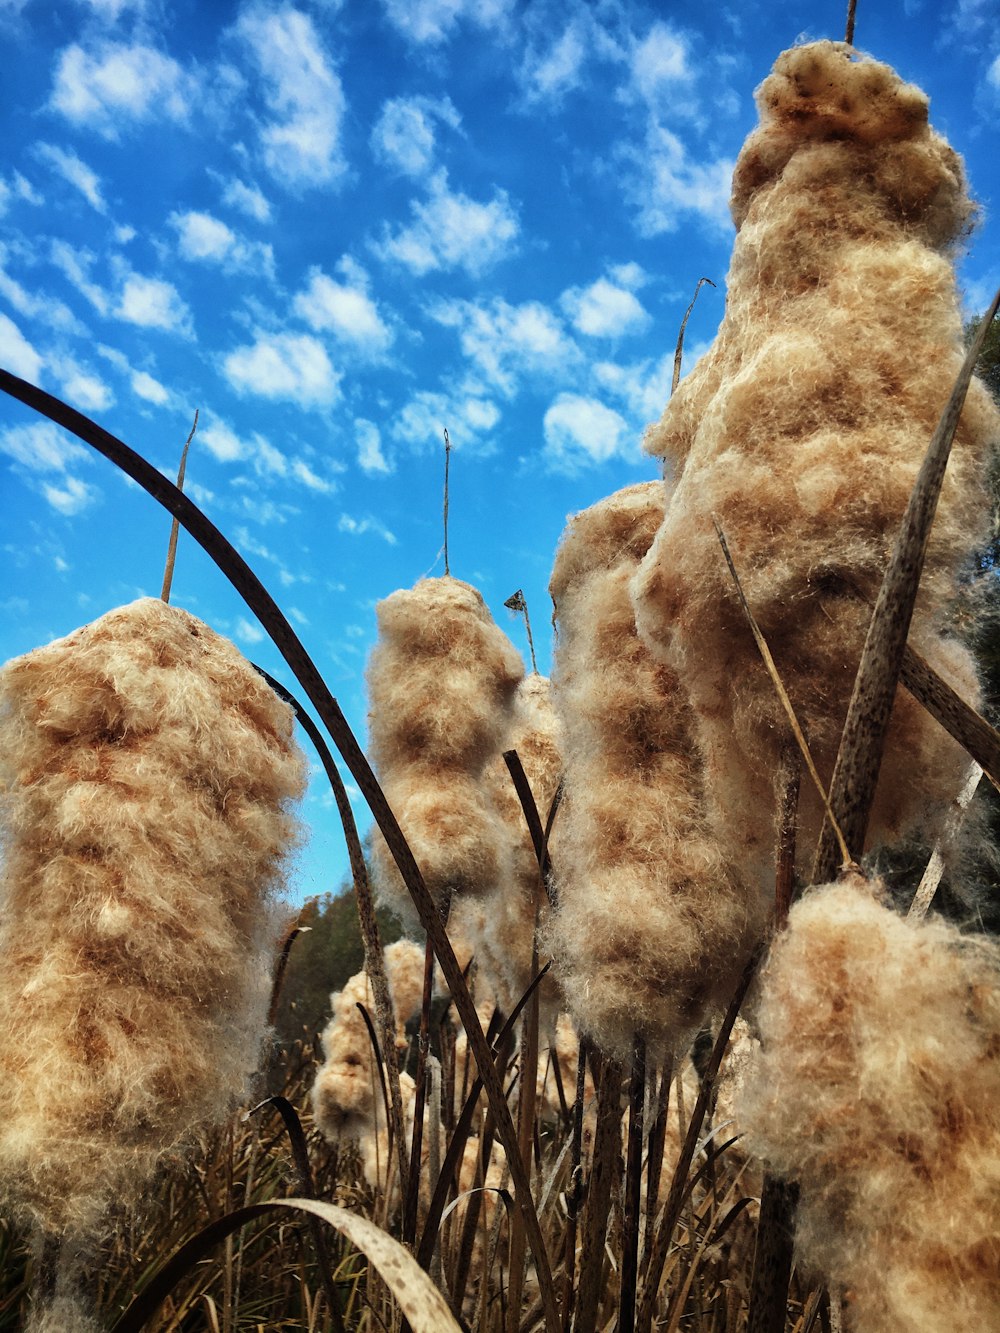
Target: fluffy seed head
x=876 y=1088
x=441 y=682
x=146 y=771
x=802 y=430
x=651 y=925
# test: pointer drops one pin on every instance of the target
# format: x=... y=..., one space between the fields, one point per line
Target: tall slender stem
x=168 y=570
x=447 y=460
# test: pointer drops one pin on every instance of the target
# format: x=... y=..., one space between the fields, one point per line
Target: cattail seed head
x=441 y=681
x=875 y=1088
x=146 y=772
x=651 y=925
x=802 y=430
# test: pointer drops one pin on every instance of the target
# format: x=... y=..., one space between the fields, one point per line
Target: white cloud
x=302 y=472
x=145 y=386
x=226 y=446
x=450 y=230
x=468 y=417
x=343 y=309
x=659 y=67
x=604 y=310
x=24 y=189
x=429 y=22
x=507 y=341
x=153 y=303
x=17 y=354
x=285 y=366
x=643 y=388
x=42 y=447
x=75 y=265
x=301 y=143
x=112 y=10
x=371 y=459
x=668 y=185
x=404 y=136
x=203 y=238
x=248 y=199
x=993 y=74
x=580 y=432
x=358 y=527
x=76 y=172
x=46 y=309
x=115 y=84
x=142 y=384
x=248 y=632
x=70 y=496
x=550 y=73
x=82 y=388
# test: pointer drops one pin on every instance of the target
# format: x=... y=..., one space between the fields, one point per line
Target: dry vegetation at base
x=267 y=1277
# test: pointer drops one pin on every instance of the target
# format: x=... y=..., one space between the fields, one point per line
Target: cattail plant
x=441 y=681
x=651 y=924
x=876 y=1089
x=147 y=772
x=801 y=432
x=511 y=908
x=346 y=1100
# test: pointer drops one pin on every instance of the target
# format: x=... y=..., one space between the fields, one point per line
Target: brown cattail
x=441 y=682
x=651 y=924
x=510 y=909
x=802 y=430
x=876 y=1088
x=146 y=774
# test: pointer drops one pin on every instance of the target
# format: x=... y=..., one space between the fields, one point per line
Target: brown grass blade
x=679 y=349
x=633 y=1189
x=860 y=756
x=168 y=570
x=419 y=1300
x=607 y=1149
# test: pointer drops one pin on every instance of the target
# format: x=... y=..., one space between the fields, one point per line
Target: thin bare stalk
x=519 y=603
x=654 y=1163
x=849 y=33
x=447 y=461
x=575 y=1191
x=633 y=1188
x=931 y=877
x=772 y=1261
x=679 y=350
x=607 y=1148
x=168 y=571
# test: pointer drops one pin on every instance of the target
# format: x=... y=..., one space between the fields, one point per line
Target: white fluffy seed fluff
x=441 y=683
x=802 y=430
x=146 y=774
x=876 y=1088
x=652 y=926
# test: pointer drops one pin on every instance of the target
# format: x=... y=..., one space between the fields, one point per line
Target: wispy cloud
x=667 y=186
x=16 y=353
x=450 y=230
x=344 y=309
x=203 y=238
x=33 y=304
x=300 y=142
x=75 y=265
x=582 y=432
x=430 y=22
x=404 y=136
x=371 y=459
x=288 y=366
x=76 y=172
x=141 y=382
x=604 y=310
x=469 y=418
x=247 y=199
x=357 y=527
x=152 y=303
x=505 y=342
x=40 y=449
x=111 y=86
x=82 y=387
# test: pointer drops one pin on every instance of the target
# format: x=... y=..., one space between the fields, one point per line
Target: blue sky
x=337 y=229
